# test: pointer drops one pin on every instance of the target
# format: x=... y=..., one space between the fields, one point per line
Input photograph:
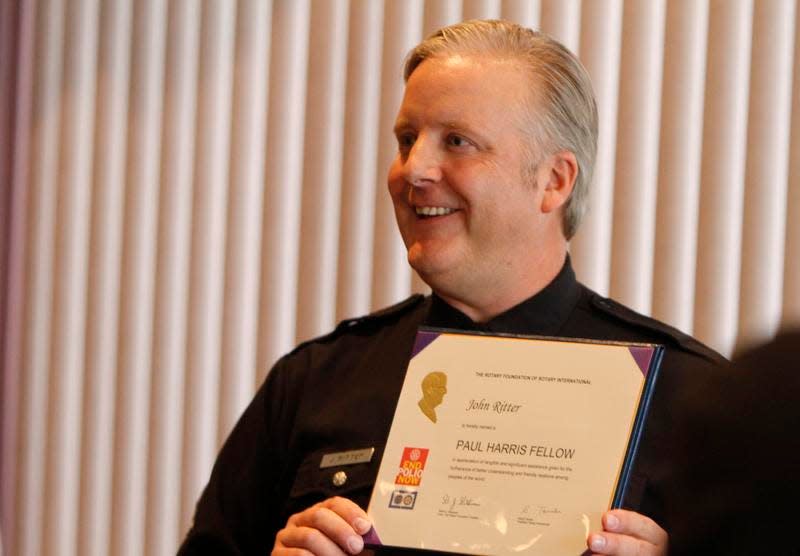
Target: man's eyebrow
x=454 y=124
x=403 y=123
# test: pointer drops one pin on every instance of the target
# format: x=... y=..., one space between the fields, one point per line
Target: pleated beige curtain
x=189 y=188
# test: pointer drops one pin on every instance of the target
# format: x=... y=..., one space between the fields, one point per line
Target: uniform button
x=339 y=478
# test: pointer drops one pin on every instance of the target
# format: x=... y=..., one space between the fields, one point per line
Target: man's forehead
x=463 y=97
x=468 y=69
x=473 y=78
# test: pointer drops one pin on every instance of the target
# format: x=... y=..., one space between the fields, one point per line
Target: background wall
x=191 y=187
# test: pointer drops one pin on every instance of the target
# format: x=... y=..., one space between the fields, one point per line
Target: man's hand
x=332 y=527
x=628 y=534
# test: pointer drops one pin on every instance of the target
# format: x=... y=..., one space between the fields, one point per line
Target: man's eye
x=405 y=141
x=457 y=141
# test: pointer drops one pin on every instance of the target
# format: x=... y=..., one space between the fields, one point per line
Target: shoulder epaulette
x=628 y=315
x=387 y=313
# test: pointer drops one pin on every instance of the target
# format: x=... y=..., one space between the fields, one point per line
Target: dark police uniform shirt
x=338 y=393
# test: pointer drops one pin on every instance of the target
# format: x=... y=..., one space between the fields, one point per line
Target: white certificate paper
x=507 y=445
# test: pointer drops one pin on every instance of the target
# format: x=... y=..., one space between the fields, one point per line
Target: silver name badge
x=347 y=458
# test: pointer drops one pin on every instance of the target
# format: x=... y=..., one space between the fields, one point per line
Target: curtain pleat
x=16 y=71
x=359 y=162
x=601 y=39
x=722 y=173
x=562 y=20
x=524 y=12
x=165 y=462
x=791 y=257
x=679 y=161
x=439 y=13
x=207 y=267
x=131 y=419
x=633 y=226
x=766 y=174
x=319 y=230
x=36 y=363
x=481 y=9
x=72 y=197
x=245 y=224
x=105 y=253
x=283 y=179
x=196 y=187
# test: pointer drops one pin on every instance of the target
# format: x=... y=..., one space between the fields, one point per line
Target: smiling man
x=496 y=140
x=479 y=202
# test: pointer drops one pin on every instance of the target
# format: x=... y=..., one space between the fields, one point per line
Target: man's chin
x=439 y=266
x=422 y=262
x=437 y=276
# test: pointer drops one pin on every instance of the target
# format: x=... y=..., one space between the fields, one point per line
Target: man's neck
x=483 y=304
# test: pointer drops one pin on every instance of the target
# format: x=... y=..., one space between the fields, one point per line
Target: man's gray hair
x=562 y=89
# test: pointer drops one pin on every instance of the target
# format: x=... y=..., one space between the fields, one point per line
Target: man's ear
x=558 y=179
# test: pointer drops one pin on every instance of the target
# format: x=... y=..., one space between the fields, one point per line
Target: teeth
x=433 y=211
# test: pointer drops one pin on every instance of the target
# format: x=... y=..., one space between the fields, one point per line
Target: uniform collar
x=542 y=314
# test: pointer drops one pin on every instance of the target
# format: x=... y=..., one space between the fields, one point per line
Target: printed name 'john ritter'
x=497 y=407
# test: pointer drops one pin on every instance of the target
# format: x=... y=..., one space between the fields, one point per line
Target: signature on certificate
x=452 y=502
x=532 y=510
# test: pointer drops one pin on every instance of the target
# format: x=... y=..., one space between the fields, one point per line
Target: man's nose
x=423 y=165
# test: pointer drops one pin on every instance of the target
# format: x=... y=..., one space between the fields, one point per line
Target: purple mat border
x=371 y=537
x=643 y=357
x=423 y=340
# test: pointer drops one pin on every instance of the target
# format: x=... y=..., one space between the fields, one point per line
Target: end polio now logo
x=411 y=466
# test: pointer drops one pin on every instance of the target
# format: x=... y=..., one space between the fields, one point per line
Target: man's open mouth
x=427 y=212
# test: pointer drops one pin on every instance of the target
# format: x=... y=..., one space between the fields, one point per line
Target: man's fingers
x=284 y=551
x=636 y=525
x=319 y=527
x=307 y=540
x=629 y=534
x=332 y=527
x=618 y=545
x=350 y=512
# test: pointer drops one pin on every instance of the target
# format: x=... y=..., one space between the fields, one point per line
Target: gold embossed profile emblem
x=434 y=387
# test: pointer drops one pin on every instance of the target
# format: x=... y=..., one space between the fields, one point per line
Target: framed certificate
x=508 y=444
